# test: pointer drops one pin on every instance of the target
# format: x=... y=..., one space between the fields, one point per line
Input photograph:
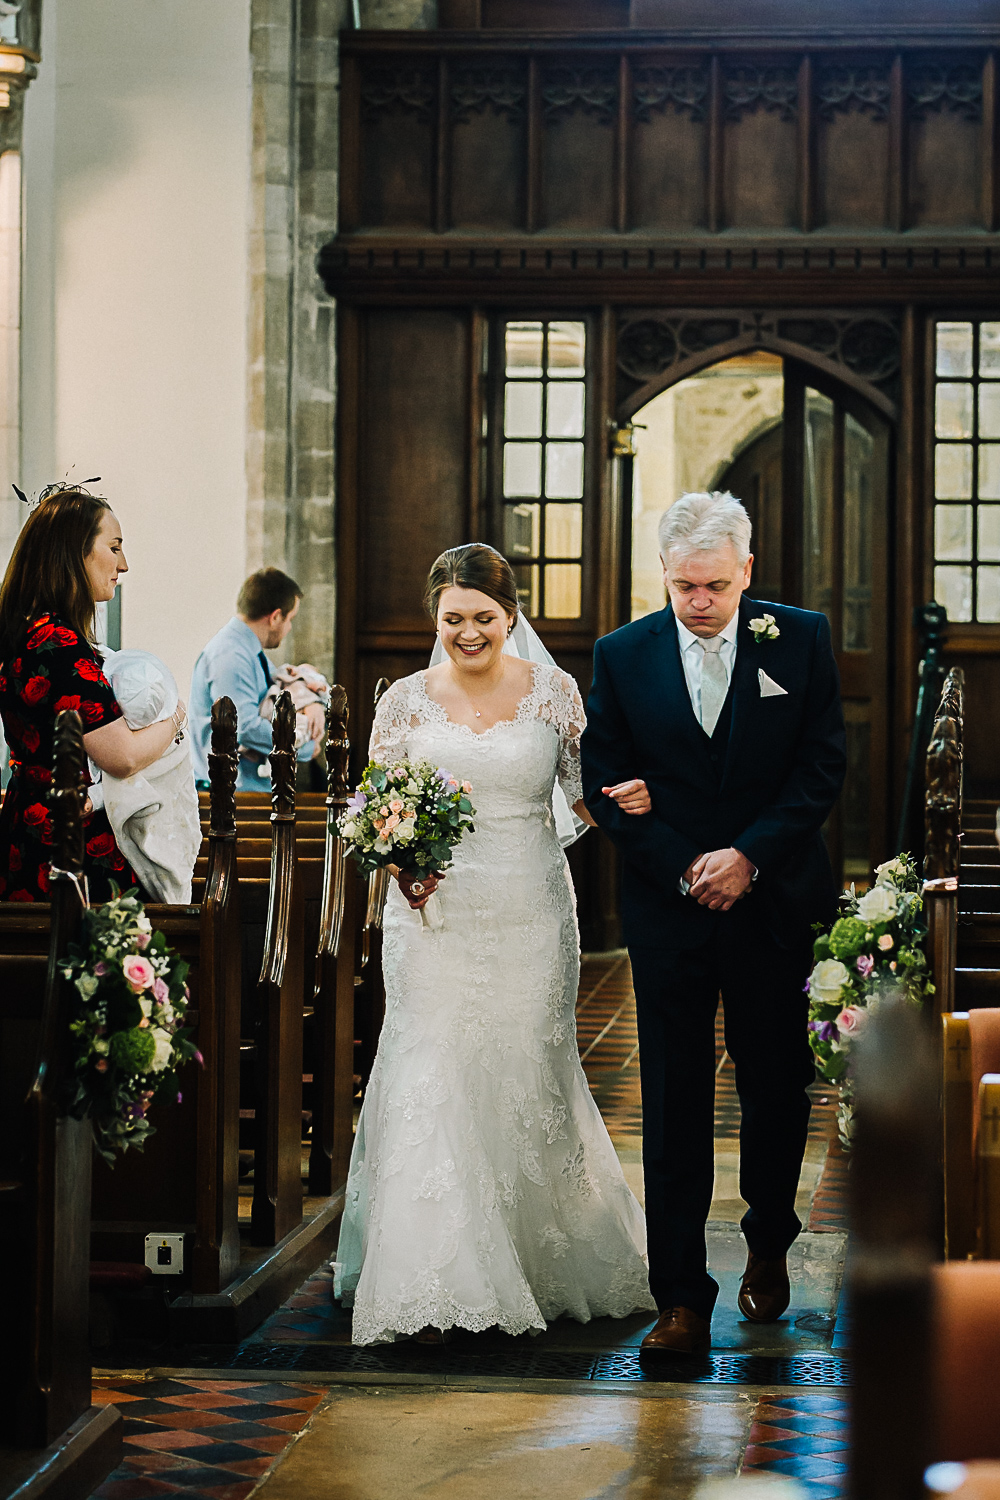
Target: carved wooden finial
x=382 y=686
x=953 y=696
x=943 y=806
x=68 y=794
x=283 y=760
x=223 y=767
x=337 y=748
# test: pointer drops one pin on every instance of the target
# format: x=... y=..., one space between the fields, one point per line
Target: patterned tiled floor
x=201 y=1437
x=804 y=1438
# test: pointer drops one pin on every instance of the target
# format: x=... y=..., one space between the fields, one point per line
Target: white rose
x=87 y=985
x=164 y=1049
x=880 y=904
x=886 y=874
x=827 y=980
x=146 y=1005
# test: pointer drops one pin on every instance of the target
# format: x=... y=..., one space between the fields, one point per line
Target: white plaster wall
x=136 y=209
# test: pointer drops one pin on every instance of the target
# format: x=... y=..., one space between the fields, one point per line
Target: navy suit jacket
x=767 y=791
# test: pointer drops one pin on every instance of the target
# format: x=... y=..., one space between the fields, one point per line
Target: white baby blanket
x=153 y=814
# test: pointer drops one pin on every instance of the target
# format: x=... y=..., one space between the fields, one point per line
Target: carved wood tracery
x=943 y=806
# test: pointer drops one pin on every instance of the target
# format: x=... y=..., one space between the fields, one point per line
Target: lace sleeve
x=562 y=707
x=393 y=720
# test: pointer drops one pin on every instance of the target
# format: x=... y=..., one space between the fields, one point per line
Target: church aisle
x=571 y=1413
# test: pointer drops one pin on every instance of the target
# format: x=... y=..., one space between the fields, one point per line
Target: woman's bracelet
x=179 y=722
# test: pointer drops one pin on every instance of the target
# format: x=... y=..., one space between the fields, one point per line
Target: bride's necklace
x=472 y=702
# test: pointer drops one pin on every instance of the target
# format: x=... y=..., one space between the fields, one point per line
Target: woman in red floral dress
x=66 y=560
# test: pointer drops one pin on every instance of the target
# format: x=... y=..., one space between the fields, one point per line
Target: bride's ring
x=417 y=888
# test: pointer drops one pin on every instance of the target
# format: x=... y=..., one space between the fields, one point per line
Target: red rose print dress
x=57 y=669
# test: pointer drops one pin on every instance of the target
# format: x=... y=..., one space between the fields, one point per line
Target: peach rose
x=396 y=806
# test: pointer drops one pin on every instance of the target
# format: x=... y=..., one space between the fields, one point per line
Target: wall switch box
x=165 y=1254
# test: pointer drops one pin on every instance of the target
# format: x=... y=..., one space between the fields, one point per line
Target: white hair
x=702 y=522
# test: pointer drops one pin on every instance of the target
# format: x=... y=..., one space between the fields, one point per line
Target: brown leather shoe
x=678 y=1330
x=764 y=1290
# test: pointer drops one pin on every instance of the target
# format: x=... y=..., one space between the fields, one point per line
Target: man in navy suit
x=730 y=712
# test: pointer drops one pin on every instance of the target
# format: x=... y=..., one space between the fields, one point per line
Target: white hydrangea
x=164 y=1049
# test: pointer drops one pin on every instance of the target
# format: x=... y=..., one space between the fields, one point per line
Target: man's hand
x=719 y=879
x=632 y=796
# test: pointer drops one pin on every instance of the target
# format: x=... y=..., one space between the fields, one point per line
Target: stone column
x=20 y=32
x=292 y=367
x=291 y=341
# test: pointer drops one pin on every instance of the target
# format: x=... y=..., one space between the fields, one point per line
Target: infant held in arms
x=153 y=814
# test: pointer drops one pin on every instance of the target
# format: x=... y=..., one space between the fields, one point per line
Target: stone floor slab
x=439 y=1445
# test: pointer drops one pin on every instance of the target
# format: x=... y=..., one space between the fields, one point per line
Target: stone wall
x=292 y=352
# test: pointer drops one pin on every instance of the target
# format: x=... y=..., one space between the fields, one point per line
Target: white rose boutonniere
x=764 y=628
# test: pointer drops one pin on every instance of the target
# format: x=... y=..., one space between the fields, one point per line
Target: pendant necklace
x=477 y=711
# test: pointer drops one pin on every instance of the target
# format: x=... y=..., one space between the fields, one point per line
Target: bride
x=484 y=1189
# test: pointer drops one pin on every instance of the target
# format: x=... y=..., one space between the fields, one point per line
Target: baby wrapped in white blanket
x=153 y=814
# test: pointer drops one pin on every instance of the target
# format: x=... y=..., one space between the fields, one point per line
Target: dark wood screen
x=826 y=190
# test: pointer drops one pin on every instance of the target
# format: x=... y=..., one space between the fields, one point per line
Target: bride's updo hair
x=474 y=566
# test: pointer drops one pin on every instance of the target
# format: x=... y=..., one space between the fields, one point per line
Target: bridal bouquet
x=412 y=815
x=128 y=1036
x=873 y=950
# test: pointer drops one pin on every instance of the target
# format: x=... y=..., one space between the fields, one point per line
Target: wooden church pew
x=925 y=1336
x=186 y=1179
x=971 y=1109
x=276 y=956
x=329 y=888
x=370 y=999
x=53 y=1441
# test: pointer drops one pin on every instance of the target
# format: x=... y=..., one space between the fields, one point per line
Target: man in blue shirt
x=233 y=665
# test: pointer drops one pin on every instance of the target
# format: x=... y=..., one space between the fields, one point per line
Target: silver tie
x=714 y=684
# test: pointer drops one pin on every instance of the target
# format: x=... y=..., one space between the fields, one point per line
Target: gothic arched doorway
x=811 y=459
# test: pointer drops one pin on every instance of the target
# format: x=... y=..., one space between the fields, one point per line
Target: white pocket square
x=768 y=687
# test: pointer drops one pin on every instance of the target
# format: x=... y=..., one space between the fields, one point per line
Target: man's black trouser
x=766 y=1010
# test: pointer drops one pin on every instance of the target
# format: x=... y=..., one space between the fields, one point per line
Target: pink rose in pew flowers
x=873 y=949
x=411 y=815
x=130 y=998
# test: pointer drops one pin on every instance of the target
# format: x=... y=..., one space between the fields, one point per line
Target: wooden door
x=817 y=491
x=835 y=559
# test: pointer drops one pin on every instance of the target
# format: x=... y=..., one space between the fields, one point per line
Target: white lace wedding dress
x=484 y=1189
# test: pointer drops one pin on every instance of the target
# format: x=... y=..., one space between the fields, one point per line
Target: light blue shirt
x=230 y=667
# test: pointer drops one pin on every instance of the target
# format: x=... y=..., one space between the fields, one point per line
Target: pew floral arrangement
x=412 y=815
x=873 y=949
x=128 y=1035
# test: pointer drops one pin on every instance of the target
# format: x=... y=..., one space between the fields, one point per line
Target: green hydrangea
x=847 y=938
x=134 y=1050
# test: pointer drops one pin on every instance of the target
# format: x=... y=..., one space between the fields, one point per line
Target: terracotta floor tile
x=251 y=1467
x=182 y=1420
x=203 y=1399
x=170 y=1440
x=276 y=1444
x=294 y=1422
